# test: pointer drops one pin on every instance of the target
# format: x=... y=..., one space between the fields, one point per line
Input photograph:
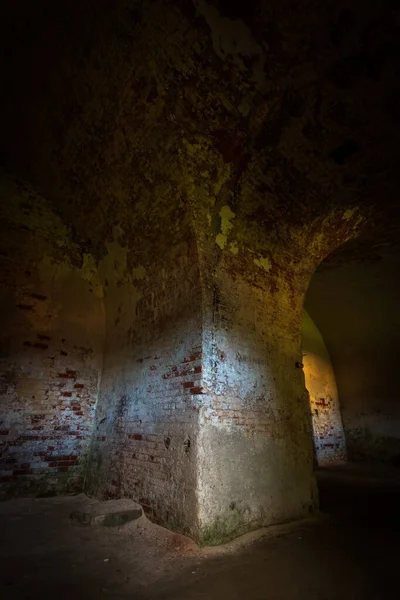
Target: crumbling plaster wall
x=52 y=329
x=255 y=457
x=255 y=453
x=262 y=124
x=144 y=443
x=328 y=434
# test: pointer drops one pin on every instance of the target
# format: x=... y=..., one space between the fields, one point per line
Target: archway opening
x=353 y=300
x=326 y=419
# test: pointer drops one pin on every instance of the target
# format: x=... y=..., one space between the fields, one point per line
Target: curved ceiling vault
x=111 y=107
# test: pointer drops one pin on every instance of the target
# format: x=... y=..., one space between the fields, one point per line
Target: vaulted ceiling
x=112 y=108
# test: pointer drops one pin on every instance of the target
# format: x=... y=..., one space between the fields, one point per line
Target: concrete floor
x=351 y=552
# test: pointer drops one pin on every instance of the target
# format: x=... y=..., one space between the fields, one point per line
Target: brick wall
x=255 y=449
x=355 y=303
x=329 y=439
x=51 y=333
x=144 y=444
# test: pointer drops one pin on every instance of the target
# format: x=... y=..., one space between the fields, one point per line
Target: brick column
x=255 y=458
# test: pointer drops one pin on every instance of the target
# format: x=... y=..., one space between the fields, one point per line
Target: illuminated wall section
x=254 y=449
x=51 y=342
x=144 y=442
x=329 y=441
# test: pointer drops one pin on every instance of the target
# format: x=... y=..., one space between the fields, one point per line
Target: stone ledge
x=109 y=514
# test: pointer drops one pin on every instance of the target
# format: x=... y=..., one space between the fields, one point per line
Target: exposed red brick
x=193 y=356
x=196 y=390
x=68 y=374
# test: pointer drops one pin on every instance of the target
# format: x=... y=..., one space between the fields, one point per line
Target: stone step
x=110 y=513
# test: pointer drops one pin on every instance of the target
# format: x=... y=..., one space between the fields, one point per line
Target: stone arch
x=320 y=381
x=353 y=297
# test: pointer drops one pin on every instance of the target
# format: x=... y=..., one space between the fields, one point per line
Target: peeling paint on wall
x=349 y=213
x=139 y=273
x=51 y=348
x=227 y=215
x=234 y=248
x=263 y=263
x=232 y=39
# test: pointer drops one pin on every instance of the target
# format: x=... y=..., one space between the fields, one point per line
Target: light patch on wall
x=90 y=273
x=114 y=264
x=226 y=217
x=221 y=240
x=139 y=273
x=233 y=40
x=264 y=263
x=234 y=248
x=121 y=294
x=349 y=213
x=231 y=37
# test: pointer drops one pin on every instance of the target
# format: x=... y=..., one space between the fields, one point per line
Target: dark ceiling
x=100 y=102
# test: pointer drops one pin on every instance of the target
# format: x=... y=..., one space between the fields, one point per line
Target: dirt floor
x=351 y=551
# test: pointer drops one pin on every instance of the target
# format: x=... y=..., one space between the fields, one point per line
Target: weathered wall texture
x=52 y=325
x=354 y=300
x=144 y=443
x=210 y=155
x=255 y=449
x=328 y=434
